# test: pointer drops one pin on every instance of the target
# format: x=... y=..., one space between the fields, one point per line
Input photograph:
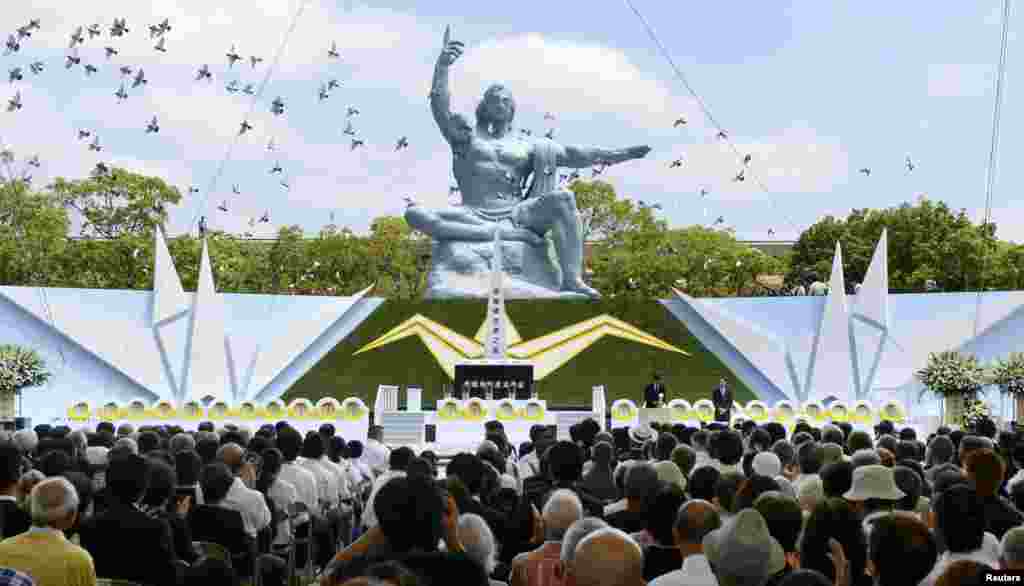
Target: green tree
x=33 y=229
x=117 y=202
x=927 y=241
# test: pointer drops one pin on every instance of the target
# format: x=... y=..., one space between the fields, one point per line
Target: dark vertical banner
x=408 y=343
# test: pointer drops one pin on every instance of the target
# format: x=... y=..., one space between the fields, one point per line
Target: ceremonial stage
x=165 y=356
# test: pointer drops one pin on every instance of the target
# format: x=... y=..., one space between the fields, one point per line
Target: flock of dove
x=132 y=79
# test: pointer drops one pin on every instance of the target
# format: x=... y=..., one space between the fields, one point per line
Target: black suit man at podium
x=721 y=397
x=654 y=393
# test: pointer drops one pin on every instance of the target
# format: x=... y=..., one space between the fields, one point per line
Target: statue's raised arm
x=440 y=99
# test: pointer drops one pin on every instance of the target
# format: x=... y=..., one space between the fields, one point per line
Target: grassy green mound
x=624 y=367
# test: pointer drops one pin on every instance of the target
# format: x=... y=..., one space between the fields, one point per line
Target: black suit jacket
x=723 y=404
x=652 y=393
x=127 y=544
x=13 y=519
x=224 y=527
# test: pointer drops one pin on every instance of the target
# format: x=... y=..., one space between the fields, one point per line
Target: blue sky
x=813 y=90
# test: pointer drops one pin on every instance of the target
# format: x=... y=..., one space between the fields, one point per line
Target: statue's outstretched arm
x=580 y=156
x=440 y=99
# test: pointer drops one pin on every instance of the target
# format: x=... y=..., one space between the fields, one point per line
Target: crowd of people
x=747 y=505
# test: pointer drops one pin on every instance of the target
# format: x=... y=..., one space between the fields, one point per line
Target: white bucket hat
x=767 y=464
x=873 y=481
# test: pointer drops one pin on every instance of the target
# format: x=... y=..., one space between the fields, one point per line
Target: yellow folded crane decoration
x=547 y=353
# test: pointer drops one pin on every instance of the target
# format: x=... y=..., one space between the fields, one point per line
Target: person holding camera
x=240 y=497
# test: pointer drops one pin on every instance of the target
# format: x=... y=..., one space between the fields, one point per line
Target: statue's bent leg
x=449 y=225
x=556 y=211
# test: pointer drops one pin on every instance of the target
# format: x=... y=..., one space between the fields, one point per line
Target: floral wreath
x=506 y=410
x=680 y=409
x=248 y=410
x=814 y=411
x=191 y=410
x=164 y=409
x=449 y=409
x=705 y=410
x=135 y=410
x=892 y=411
x=534 y=410
x=757 y=410
x=785 y=411
x=353 y=409
x=475 y=409
x=110 y=412
x=839 y=412
x=302 y=408
x=328 y=408
x=218 y=411
x=80 y=411
x=862 y=412
x=275 y=409
x=624 y=410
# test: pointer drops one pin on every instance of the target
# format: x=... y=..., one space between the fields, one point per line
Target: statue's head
x=497 y=105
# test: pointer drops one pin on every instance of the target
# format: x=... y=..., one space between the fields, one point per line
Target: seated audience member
x=751 y=488
x=727 y=450
x=836 y=478
x=600 y=479
x=669 y=473
x=960 y=524
x=250 y=503
x=187 y=465
x=607 y=557
x=686 y=458
x=910 y=483
x=702 y=483
x=280 y=494
x=43 y=552
x=834 y=519
x=413 y=517
x=695 y=520
x=161 y=502
x=398 y=461
x=725 y=494
x=478 y=541
x=785 y=521
x=902 y=550
x=742 y=551
x=105 y=535
x=660 y=552
x=573 y=536
x=965 y=573
x=873 y=492
x=986 y=471
x=1011 y=550
x=15 y=519
x=642 y=485
x=563 y=508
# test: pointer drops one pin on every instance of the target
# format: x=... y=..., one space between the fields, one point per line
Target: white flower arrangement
x=976 y=412
x=952 y=373
x=20 y=368
x=1008 y=374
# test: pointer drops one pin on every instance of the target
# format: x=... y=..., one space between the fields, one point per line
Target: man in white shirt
x=398 y=461
x=290 y=443
x=694 y=521
x=375 y=453
x=960 y=521
x=326 y=481
x=250 y=503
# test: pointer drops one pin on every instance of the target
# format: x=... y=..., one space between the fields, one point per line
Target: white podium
x=413 y=399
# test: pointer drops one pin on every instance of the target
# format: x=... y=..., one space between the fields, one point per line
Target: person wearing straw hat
x=874 y=492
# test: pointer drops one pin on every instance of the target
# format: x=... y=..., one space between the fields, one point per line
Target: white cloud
x=953 y=80
x=571 y=80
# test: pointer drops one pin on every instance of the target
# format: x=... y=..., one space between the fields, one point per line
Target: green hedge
x=624 y=367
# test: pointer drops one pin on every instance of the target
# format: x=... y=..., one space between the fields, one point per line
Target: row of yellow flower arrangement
x=351 y=409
